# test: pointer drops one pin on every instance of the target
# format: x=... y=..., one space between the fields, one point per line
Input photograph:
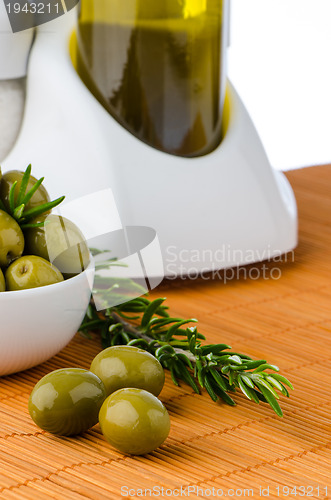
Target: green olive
x=31 y=271
x=134 y=421
x=66 y=402
x=60 y=241
x=128 y=366
x=2 y=282
x=11 y=239
x=8 y=178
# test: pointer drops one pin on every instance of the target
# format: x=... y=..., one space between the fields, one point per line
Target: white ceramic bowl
x=36 y=324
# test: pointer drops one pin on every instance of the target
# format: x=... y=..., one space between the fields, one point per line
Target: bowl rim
x=44 y=289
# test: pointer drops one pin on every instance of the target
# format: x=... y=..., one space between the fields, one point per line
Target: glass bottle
x=158 y=67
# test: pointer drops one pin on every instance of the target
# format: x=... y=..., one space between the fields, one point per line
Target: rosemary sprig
x=19 y=198
x=181 y=350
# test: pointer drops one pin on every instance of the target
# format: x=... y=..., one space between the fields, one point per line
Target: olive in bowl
x=2 y=282
x=39 y=197
x=134 y=421
x=11 y=239
x=60 y=241
x=31 y=271
x=128 y=366
x=67 y=401
x=38 y=322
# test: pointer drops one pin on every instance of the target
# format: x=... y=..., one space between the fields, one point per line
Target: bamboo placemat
x=213 y=450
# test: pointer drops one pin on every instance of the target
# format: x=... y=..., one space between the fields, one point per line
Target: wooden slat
x=244 y=448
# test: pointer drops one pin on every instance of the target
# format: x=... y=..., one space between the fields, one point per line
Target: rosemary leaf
x=222 y=394
x=281 y=378
x=219 y=379
x=17 y=214
x=214 y=348
x=151 y=309
x=40 y=209
x=274 y=382
x=24 y=184
x=11 y=197
x=265 y=366
x=31 y=192
x=269 y=397
x=210 y=389
x=247 y=380
x=173 y=329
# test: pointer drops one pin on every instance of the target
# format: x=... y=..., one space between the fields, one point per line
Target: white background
x=280 y=63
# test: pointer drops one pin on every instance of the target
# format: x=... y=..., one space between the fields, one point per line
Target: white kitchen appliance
x=223 y=209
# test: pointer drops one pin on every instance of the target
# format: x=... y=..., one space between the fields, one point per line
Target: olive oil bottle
x=158 y=67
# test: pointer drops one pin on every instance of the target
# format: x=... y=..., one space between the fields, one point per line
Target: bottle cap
x=14 y=48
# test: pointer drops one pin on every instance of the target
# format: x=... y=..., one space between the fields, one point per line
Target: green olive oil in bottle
x=158 y=67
